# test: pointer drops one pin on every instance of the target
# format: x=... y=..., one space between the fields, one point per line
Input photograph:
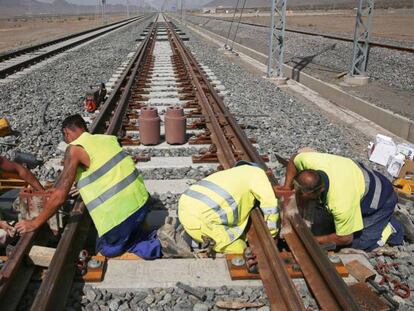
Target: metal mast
x=364 y=14
x=277 y=38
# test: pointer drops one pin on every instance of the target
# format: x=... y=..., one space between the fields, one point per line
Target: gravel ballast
x=282 y=125
x=61 y=86
x=324 y=58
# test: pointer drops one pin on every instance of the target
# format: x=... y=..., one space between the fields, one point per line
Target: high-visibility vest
x=219 y=206
x=346 y=188
x=111 y=188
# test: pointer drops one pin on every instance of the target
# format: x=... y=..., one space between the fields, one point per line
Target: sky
x=132 y=2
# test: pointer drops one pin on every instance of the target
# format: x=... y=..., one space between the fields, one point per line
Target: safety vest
x=219 y=206
x=346 y=188
x=111 y=188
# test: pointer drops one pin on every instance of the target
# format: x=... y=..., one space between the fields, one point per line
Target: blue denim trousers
x=129 y=236
x=374 y=224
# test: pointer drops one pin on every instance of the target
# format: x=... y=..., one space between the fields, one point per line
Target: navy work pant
x=129 y=236
x=375 y=223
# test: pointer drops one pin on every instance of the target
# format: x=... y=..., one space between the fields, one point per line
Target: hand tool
x=364 y=274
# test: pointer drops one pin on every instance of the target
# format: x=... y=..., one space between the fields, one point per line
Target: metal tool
x=191 y=290
x=364 y=274
x=281 y=160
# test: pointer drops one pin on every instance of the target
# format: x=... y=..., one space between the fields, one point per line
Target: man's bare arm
x=58 y=194
x=339 y=240
x=291 y=171
x=24 y=173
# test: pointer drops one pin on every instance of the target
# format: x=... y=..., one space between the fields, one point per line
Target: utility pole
x=277 y=40
x=182 y=11
x=103 y=7
x=127 y=5
x=358 y=72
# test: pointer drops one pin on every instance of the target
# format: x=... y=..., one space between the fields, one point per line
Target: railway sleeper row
x=168 y=76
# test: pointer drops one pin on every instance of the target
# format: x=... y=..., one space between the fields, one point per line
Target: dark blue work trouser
x=129 y=236
x=375 y=223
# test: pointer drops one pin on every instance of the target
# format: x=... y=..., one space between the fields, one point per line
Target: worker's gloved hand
x=251 y=260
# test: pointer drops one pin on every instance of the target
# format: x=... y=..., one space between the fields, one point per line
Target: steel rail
x=19 y=65
x=330 y=290
x=56 y=286
x=324 y=35
x=279 y=287
x=32 y=48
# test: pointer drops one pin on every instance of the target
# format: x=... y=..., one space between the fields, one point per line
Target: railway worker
x=217 y=208
x=360 y=201
x=111 y=188
x=19 y=170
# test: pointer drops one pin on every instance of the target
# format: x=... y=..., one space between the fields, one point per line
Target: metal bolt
x=94 y=264
x=238 y=261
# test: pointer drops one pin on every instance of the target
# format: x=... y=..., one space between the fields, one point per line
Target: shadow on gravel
x=302 y=62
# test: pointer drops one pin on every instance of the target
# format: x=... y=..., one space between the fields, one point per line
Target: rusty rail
x=280 y=288
x=232 y=144
x=56 y=286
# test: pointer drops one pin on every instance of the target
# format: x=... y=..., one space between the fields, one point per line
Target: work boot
x=405 y=220
x=173 y=244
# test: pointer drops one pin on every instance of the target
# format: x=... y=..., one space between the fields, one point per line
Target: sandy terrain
x=19 y=32
x=390 y=24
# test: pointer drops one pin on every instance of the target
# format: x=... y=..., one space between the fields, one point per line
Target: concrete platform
x=166 y=146
x=138 y=274
x=176 y=186
x=130 y=275
x=172 y=163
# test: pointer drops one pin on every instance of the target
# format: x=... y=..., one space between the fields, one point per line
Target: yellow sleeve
x=263 y=192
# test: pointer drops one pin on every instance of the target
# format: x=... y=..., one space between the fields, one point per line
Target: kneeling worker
x=217 y=208
x=111 y=188
x=361 y=201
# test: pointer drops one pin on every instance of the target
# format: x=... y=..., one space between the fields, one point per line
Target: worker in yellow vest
x=217 y=208
x=111 y=188
x=359 y=201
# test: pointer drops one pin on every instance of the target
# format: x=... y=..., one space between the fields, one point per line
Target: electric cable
x=231 y=24
x=238 y=24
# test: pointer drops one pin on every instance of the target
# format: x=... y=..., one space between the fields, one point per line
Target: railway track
x=324 y=35
x=16 y=61
x=163 y=73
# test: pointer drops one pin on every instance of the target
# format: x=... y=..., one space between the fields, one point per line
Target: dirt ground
x=389 y=24
x=19 y=32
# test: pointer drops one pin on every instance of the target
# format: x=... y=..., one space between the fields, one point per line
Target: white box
x=383 y=148
x=395 y=164
x=407 y=150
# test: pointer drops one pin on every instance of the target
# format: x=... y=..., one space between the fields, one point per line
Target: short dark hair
x=74 y=121
x=308 y=181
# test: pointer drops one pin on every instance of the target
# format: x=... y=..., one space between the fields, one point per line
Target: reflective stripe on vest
x=377 y=185
x=225 y=195
x=102 y=170
x=215 y=207
x=112 y=191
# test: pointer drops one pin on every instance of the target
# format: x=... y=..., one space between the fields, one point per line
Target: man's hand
x=24 y=226
x=6 y=227
x=251 y=260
